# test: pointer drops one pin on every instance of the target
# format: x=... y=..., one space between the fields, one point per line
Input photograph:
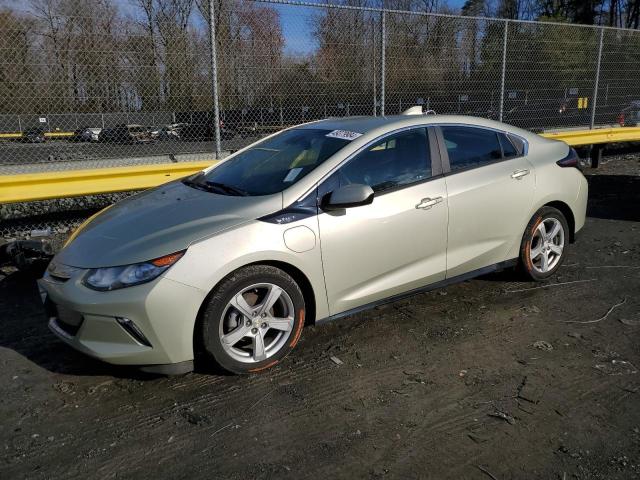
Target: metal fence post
x=504 y=68
x=214 y=76
x=373 y=64
x=594 y=103
x=383 y=45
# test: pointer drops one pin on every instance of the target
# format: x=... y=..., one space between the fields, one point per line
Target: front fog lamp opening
x=133 y=330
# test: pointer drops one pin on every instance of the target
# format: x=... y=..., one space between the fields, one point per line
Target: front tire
x=544 y=244
x=253 y=319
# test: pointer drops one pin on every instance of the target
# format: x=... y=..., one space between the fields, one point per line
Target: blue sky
x=295 y=21
x=297 y=30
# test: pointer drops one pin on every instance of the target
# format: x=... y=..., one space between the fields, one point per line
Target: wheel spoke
x=272 y=297
x=535 y=252
x=557 y=249
x=542 y=229
x=555 y=230
x=545 y=262
x=236 y=335
x=258 y=347
x=240 y=304
x=284 y=324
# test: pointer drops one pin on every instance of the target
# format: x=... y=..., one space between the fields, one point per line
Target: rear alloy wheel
x=544 y=244
x=253 y=319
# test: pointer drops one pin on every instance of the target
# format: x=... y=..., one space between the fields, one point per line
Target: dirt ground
x=488 y=379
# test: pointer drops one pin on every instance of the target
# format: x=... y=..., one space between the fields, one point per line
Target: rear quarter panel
x=554 y=183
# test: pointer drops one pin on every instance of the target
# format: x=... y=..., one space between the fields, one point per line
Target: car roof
x=369 y=124
x=352 y=124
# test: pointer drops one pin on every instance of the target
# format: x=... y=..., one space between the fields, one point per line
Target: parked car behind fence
x=630 y=115
x=205 y=131
x=85 y=134
x=33 y=135
x=126 y=134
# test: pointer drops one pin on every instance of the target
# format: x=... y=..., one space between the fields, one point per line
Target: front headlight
x=112 y=278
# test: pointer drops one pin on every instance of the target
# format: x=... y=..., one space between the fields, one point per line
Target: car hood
x=157 y=222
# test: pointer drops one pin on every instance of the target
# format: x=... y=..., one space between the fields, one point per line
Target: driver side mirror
x=354 y=195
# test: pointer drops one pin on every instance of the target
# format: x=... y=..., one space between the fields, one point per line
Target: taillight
x=571 y=160
x=621 y=119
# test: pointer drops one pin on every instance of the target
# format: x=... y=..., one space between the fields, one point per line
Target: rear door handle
x=427 y=203
x=518 y=174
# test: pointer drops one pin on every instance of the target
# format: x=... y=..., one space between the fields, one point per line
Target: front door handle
x=427 y=203
x=518 y=174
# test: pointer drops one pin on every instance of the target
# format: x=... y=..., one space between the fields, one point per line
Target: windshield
x=276 y=163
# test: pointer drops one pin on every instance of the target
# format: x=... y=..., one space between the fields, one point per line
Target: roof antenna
x=417 y=110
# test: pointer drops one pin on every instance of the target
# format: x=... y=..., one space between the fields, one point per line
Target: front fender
x=208 y=261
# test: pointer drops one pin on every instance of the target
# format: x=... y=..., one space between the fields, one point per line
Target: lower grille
x=66 y=319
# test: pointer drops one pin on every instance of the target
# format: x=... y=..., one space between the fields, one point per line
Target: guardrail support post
x=596 y=155
x=383 y=46
x=594 y=103
x=504 y=68
x=214 y=76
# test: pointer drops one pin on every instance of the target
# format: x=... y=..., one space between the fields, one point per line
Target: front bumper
x=163 y=314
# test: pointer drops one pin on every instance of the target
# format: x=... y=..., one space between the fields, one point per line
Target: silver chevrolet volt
x=310 y=224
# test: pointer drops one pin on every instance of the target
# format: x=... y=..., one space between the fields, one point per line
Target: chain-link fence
x=102 y=82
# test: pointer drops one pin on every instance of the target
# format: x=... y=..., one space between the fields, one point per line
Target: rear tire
x=544 y=244
x=253 y=319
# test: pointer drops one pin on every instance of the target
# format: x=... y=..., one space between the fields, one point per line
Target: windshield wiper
x=229 y=189
x=191 y=182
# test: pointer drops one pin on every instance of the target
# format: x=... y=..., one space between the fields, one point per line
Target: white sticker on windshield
x=344 y=134
x=291 y=176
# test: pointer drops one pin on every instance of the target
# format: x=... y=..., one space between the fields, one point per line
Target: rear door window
x=518 y=143
x=471 y=147
x=508 y=150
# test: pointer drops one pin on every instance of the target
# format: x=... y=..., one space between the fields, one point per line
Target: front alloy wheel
x=257 y=323
x=253 y=319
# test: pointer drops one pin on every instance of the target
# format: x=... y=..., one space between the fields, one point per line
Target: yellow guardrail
x=42 y=186
x=58 y=134
x=577 y=138
x=46 y=134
